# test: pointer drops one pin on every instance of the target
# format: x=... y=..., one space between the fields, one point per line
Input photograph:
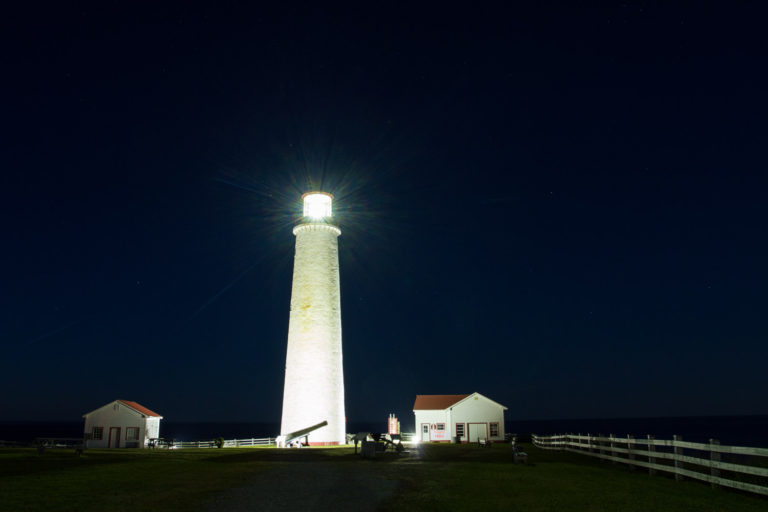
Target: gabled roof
x=436 y=402
x=442 y=402
x=140 y=408
x=476 y=394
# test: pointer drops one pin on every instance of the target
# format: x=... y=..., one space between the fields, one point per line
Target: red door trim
x=109 y=442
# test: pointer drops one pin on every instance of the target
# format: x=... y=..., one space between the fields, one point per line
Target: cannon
x=287 y=440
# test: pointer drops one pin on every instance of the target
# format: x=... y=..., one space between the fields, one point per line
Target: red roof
x=140 y=408
x=436 y=402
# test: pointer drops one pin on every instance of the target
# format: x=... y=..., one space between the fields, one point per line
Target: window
x=98 y=433
x=459 y=430
x=494 y=429
x=132 y=434
x=441 y=426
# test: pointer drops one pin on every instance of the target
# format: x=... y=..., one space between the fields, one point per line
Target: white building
x=314 y=374
x=121 y=424
x=467 y=417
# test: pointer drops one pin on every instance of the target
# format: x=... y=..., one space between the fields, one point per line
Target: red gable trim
x=140 y=408
x=436 y=402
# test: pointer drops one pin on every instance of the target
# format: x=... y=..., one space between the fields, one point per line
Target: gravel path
x=309 y=486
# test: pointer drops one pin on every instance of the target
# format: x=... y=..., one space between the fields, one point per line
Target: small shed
x=121 y=424
x=467 y=418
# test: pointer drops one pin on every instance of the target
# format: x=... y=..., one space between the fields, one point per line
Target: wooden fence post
x=651 y=458
x=613 y=447
x=678 y=453
x=589 y=442
x=630 y=453
x=600 y=445
x=714 y=457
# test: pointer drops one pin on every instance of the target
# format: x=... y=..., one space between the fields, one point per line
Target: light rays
x=53 y=332
x=372 y=228
x=371 y=175
x=224 y=290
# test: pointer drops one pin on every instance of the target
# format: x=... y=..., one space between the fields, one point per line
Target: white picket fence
x=263 y=441
x=228 y=443
x=746 y=469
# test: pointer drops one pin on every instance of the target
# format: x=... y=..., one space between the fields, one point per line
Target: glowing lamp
x=317 y=205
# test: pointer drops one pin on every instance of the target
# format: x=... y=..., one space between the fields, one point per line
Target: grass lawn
x=469 y=478
x=432 y=477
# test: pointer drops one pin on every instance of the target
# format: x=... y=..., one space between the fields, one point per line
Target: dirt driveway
x=309 y=486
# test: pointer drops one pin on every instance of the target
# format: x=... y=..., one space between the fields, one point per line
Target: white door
x=425 y=432
x=114 y=437
x=477 y=431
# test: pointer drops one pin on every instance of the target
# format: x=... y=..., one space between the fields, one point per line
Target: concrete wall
x=152 y=429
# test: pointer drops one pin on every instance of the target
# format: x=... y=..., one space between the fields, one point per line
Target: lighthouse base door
x=477 y=431
x=425 y=432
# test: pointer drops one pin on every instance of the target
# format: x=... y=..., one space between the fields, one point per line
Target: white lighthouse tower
x=314 y=376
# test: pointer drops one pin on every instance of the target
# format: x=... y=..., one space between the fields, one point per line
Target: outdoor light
x=317 y=205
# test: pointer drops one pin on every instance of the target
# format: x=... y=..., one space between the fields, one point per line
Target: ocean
x=730 y=430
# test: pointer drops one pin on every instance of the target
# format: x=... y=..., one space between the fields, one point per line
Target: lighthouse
x=314 y=375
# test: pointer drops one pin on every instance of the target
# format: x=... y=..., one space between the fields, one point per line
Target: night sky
x=562 y=208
